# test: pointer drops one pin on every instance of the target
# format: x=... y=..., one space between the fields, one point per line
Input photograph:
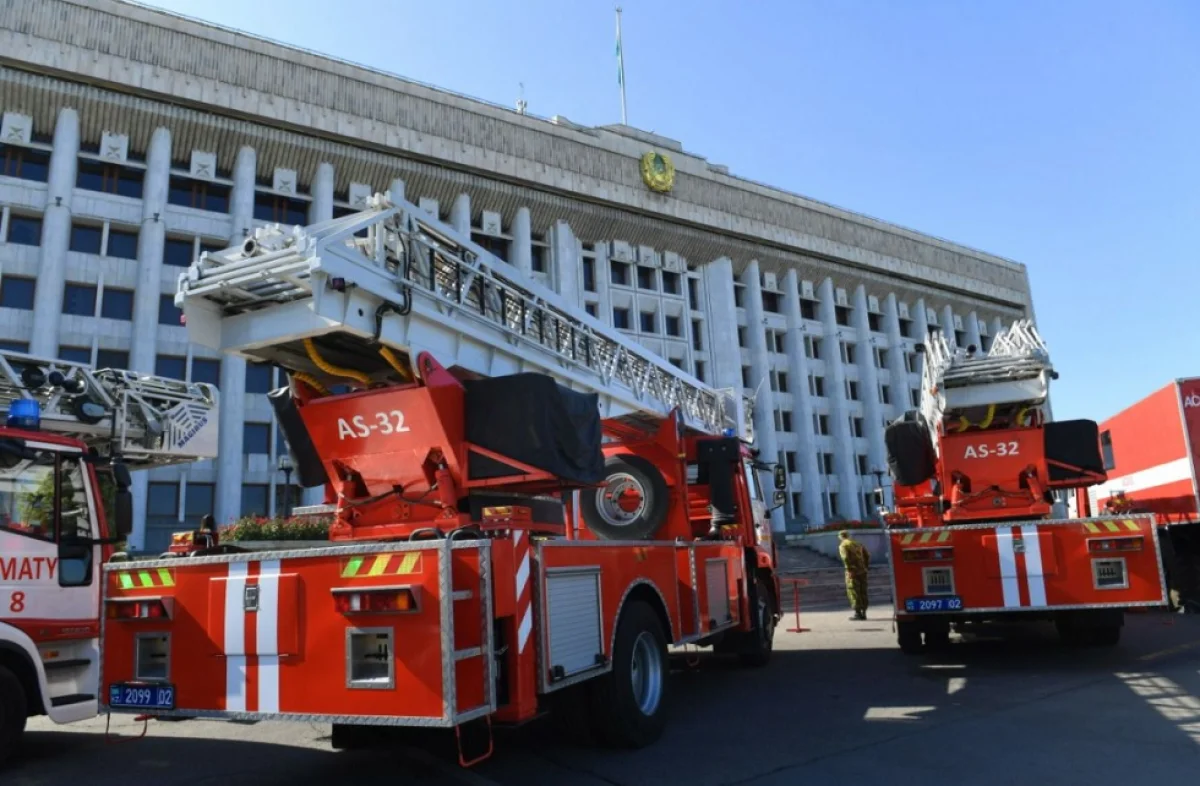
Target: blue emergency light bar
x=24 y=413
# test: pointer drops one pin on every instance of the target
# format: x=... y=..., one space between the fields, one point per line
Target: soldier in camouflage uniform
x=857 y=560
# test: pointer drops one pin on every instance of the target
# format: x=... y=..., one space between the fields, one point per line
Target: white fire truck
x=524 y=502
x=71 y=437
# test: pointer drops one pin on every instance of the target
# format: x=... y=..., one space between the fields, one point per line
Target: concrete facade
x=134 y=139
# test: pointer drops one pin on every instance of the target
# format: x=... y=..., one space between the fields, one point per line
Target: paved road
x=838 y=703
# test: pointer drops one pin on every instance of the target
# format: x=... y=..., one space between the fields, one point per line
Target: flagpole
x=621 y=69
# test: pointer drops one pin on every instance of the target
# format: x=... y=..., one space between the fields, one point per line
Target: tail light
x=928 y=555
x=140 y=609
x=377 y=600
x=1108 y=545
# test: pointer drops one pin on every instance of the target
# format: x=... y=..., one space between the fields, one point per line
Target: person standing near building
x=857 y=560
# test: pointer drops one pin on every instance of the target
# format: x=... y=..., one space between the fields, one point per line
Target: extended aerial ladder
x=356 y=299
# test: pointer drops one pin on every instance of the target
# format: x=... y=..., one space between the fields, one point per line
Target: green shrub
x=277 y=528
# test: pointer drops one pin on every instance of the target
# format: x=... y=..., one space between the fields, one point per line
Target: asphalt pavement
x=838 y=703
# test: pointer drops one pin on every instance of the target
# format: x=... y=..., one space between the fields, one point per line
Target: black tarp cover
x=534 y=420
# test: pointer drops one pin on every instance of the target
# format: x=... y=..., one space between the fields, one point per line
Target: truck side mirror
x=778 y=498
x=120 y=474
x=780 y=476
x=123 y=512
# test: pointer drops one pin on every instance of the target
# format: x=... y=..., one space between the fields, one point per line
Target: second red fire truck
x=980 y=531
x=524 y=503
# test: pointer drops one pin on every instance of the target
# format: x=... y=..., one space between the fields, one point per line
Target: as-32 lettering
x=365 y=425
x=989 y=450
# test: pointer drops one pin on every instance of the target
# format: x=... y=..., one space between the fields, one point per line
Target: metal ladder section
x=394 y=276
x=149 y=421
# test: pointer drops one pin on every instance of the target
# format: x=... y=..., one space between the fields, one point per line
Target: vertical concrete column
x=921 y=326
x=997 y=326
x=460 y=215
x=810 y=473
x=151 y=237
x=320 y=210
x=844 y=462
x=522 y=244
x=722 y=324
x=902 y=401
x=603 y=283
x=230 y=461
x=56 y=235
x=565 y=257
x=396 y=192
x=868 y=377
x=971 y=323
x=761 y=362
x=948 y=326
x=150 y=252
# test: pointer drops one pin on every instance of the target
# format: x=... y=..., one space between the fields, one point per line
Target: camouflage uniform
x=857 y=560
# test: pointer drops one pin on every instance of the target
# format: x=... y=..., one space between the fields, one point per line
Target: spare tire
x=632 y=505
x=910 y=455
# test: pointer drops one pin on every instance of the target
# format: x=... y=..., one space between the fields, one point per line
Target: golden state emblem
x=658 y=173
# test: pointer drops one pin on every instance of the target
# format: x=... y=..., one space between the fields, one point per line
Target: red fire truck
x=70 y=439
x=524 y=502
x=1149 y=451
x=980 y=532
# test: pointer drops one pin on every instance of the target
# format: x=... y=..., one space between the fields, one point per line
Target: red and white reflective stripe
x=524 y=593
x=1021 y=568
x=242 y=645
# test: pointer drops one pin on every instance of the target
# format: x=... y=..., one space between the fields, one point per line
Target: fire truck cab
x=70 y=438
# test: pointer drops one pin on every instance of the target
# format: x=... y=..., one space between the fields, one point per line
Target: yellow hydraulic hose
x=329 y=368
x=311 y=381
x=394 y=362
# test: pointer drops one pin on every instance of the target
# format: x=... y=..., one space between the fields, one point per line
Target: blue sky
x=1062 y=135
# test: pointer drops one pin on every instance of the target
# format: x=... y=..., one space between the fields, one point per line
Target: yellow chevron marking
x=1111 y=526
x=380 y=565
x=409 y=563
x=1091 y=527
x=1132 y=525
x=926 y=537
x=943 y=537
x=907 y=539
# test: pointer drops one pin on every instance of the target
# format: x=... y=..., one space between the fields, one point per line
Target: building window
x=885 y=394
x=816 y=385
x=673 y=327
x=168 y=312
x=741 y=336
x=779 y=341
x=738 y=292
x=848 y=352
x=786 y=418
x=589 y=274
x=162 y=505
x=862 y=464
x=199 y=194
x=621 y=318
x=771 y=302
x=112 y=358
x=79 y=300
x=881 y=357
x=670 y=282
x=646 y=278
x=280 y=209
x=198 y=502
x=537 y=258
x=827 y=463
x=841 y=315
x=178 y=252
x=591 y=309
x=496 y=246
x=173 y=366
x=206 y=370
x=85 y=238
x=25 y=230
x=17 y=293
x=25 y=163
x=808 y=309
x=797 y=508
x=694 y=293
x=812 y=347
x=820 y=423
x=856 y=426
x=117 y=304
x=1106 y=450
x=697 y=335
x=873 y=323
x=256 y=438
x=700 y=373
x=783 y=382
x=14 y=346
x=649 y=322
x=852 y=390
x=619 y=273
x=254 y=499
x=906 y=328
x=258 y=377
x=122 y=244
x=745 y=376
x=109 y=178
x=75 y=354
x=833 y=504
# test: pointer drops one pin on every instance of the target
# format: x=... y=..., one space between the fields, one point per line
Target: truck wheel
x=632 y=506
x=1105 y=636
x=908 y=636
x=629 y=703
x=760 y=642
x=13 y=713
x=937 y=637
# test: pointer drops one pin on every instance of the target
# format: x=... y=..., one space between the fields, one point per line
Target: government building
x=133 y=140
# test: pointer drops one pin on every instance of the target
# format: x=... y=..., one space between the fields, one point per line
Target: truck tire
x=908 y=636
x=759 y=643
x=14 y=710
x=632 y=506
x=629 y=703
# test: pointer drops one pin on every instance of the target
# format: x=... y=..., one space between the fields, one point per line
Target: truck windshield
x=27 y=496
